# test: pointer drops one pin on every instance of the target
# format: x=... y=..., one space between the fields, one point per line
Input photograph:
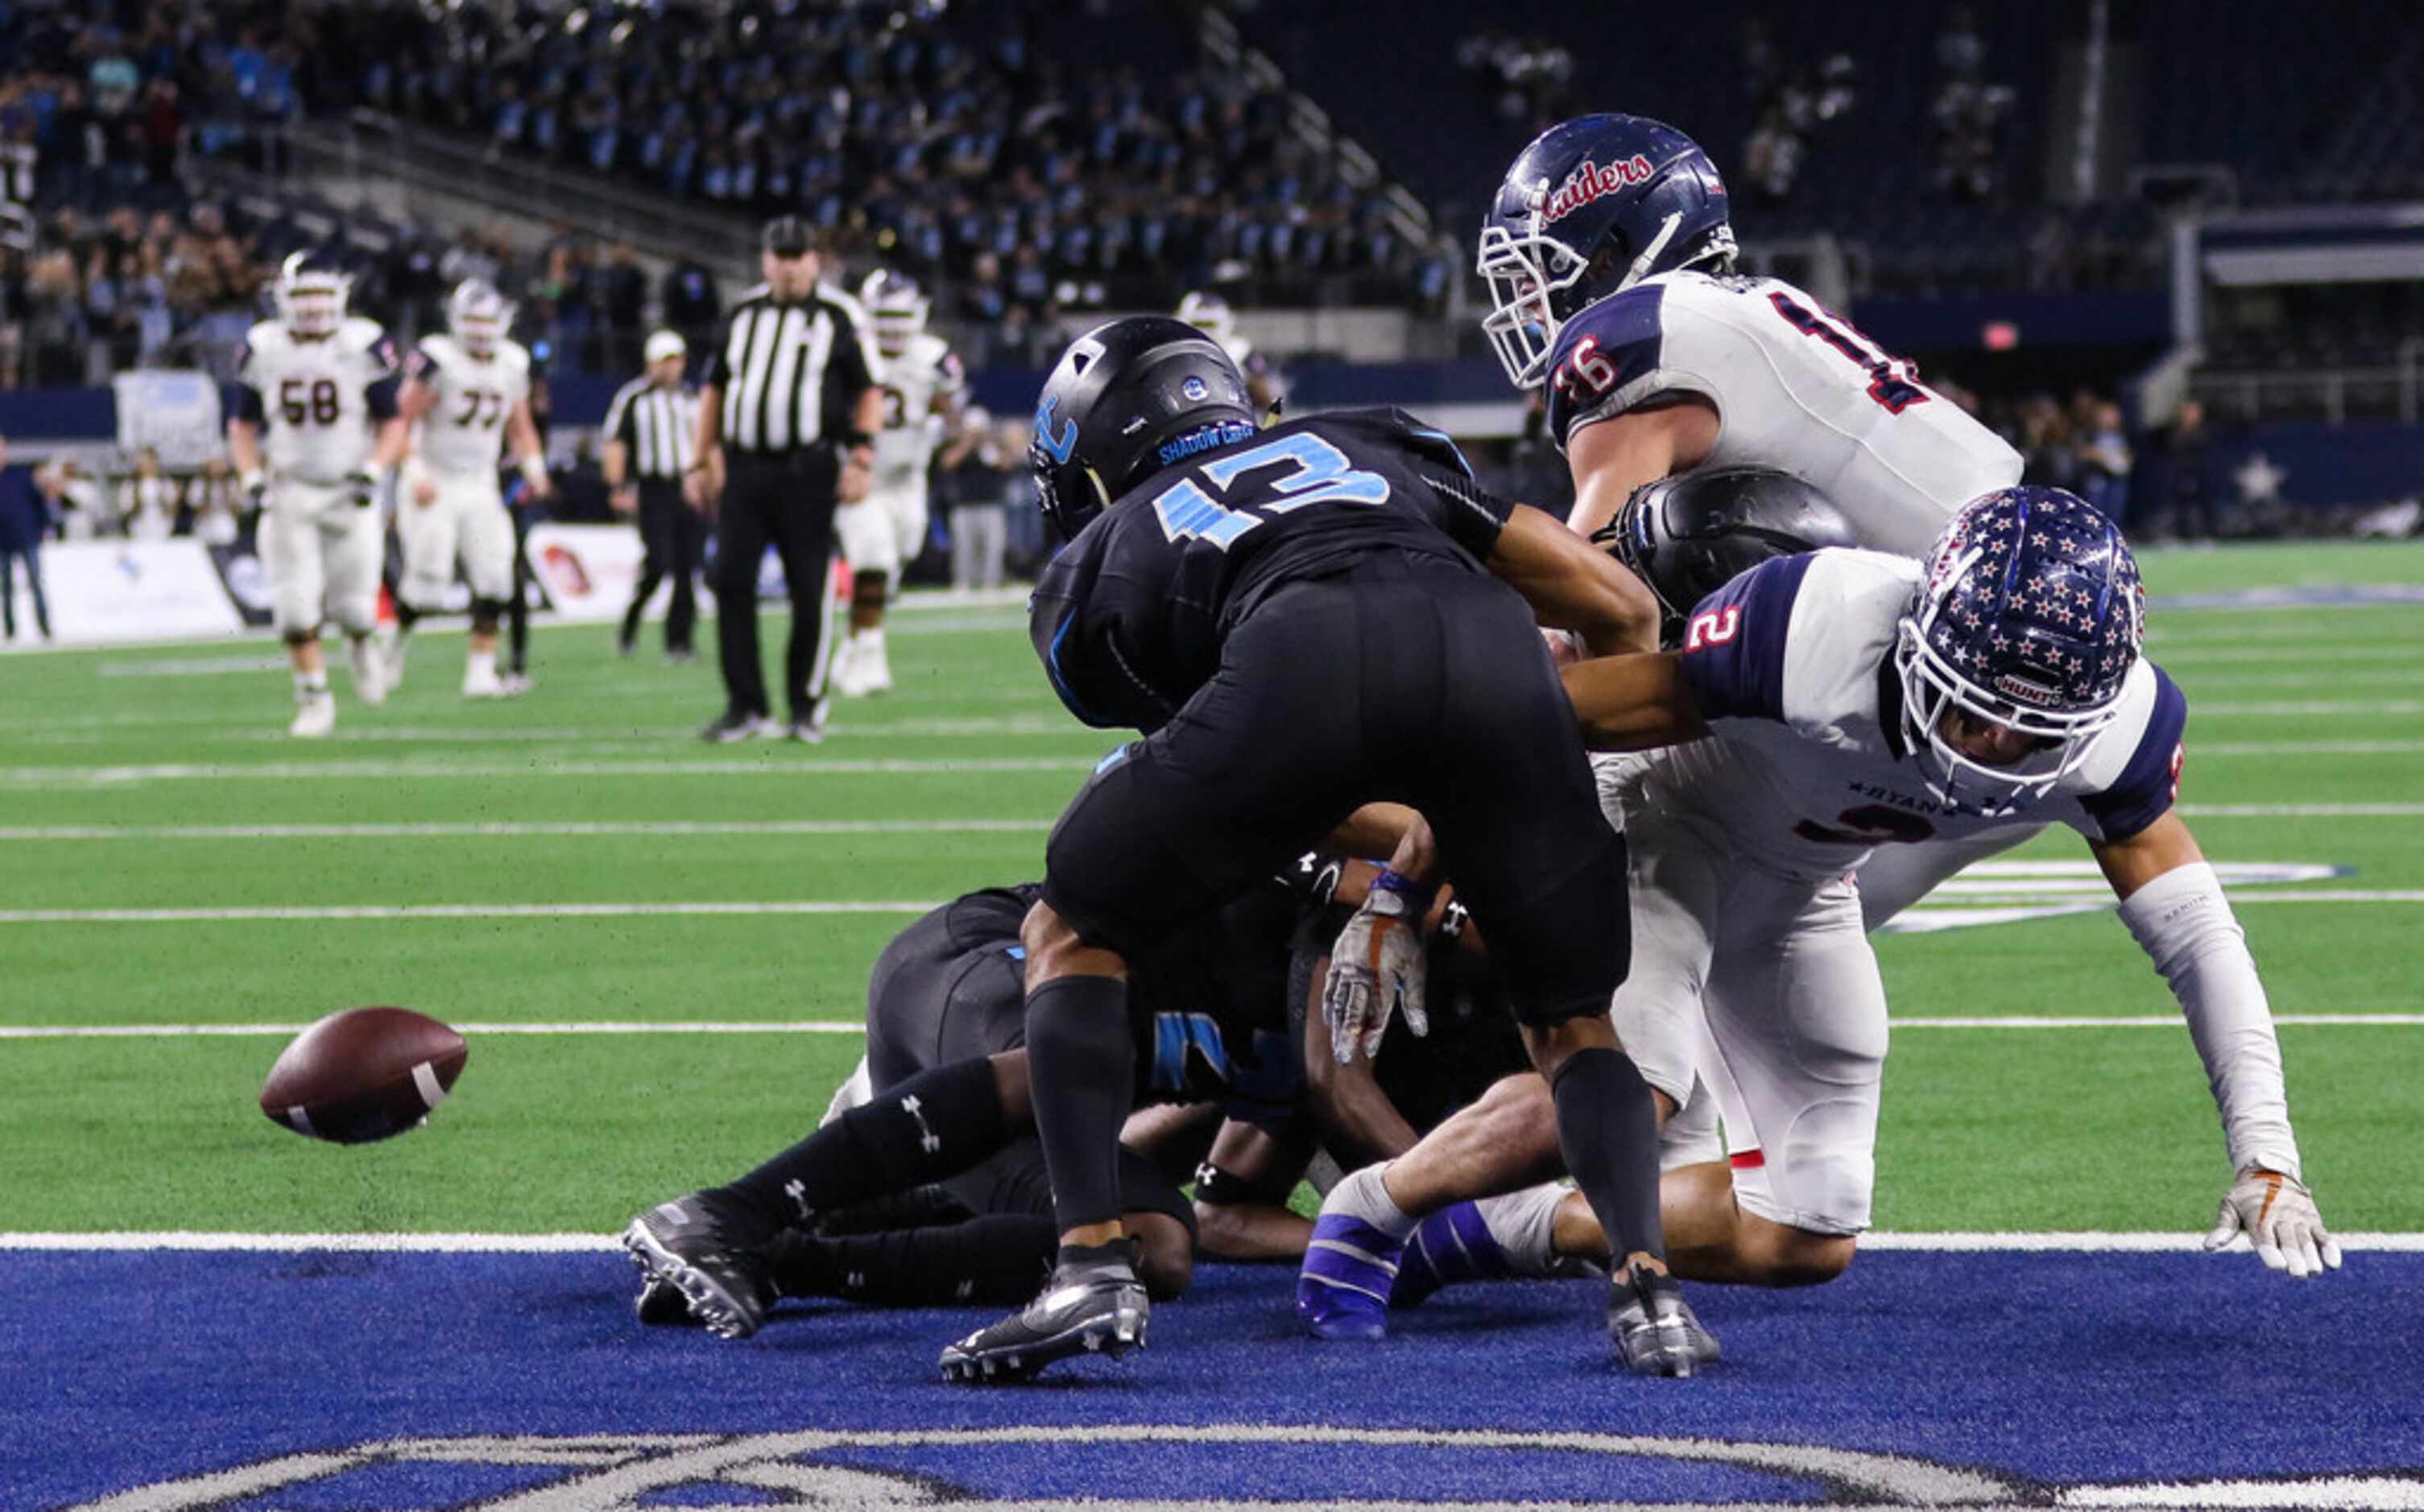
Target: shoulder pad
x=1734 y=641
x=1601 y=355
x=361 y=331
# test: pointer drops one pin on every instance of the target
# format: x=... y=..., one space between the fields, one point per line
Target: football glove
x=2279 y=1216
x=363 y=487
x=1377 y=967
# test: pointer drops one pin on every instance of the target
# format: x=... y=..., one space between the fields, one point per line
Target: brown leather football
x=363 y=1074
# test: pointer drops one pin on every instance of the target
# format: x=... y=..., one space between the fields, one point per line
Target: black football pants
x=788 y=501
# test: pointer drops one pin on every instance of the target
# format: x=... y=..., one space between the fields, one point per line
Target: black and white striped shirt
x=660 y=425
x=791 y=374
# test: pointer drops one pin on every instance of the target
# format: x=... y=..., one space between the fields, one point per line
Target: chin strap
x=1648 y=257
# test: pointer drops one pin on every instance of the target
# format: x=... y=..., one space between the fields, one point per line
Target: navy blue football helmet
x=2030 y=616
x=1689 y=534
x=1593 y=206
x=1128 y=399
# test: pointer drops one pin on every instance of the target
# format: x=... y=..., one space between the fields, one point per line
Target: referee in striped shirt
x=651 y=430
x=789 y=408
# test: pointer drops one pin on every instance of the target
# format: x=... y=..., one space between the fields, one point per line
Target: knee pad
x=1824 y=1177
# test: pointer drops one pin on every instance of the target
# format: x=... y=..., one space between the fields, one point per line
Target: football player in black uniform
x=948 y=1068
x=1303 y=620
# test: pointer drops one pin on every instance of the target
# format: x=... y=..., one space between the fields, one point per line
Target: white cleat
x=847 y=677
x=513 y=684
x=314 y=717
x=483 y=684
x=394 y=645
x=371 y=679
x=874 y=668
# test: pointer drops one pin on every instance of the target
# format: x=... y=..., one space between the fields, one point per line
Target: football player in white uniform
x=1837 y=702
x=313 y=431
x=1210 y=313
x=923 y=391
x=466 y=393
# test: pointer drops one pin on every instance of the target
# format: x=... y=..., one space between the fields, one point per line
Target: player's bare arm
x=705 y=478
x=530 y=454
x=858 y=461
x=1634 y=703
x=1572 y=585
x=1612 y=457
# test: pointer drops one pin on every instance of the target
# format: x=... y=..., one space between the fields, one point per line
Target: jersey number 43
x=1321 y=475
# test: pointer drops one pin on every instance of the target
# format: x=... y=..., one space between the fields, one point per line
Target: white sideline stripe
x=205 y=1031
x=2186 y=652
x=405 y=910
x=1990 y=893
x=202 y=1031
x=2301 y=748
x=2302 y=810
x=2145 y=1021
x=2354 y=705
x=1948 y=1243
x=415 y=911
x=536 y=767
x=509 y=830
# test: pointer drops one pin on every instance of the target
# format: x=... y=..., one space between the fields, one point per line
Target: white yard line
x=2302 y=810
x=2354 y=706
x=2192 y=653
x=535 y=767
x=1948 y=1243
x=225 y=1032
x=2302 y=748
x=519 y=830
x=218 y=1031
x=414 y=911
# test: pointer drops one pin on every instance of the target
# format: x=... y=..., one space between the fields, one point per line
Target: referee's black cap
x=787 y=236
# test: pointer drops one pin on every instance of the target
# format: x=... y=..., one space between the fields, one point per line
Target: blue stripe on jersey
x=1733 y=645
x=1061 y=682
x=2146 y=787
x=1600 y=351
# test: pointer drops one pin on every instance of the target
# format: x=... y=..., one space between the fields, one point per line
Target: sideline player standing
x=1303 y=620
x=650 y=429
x=788 y=405
x=467 y=392
x=313 y=432
x=923 y=390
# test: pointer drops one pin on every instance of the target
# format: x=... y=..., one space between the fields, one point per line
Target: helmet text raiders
x=1593 y=206
x=2029 y=617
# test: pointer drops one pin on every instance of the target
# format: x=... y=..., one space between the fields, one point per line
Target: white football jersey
x=1796 y=388
x=465 y=431
x=316 y=396
x=914 y=382
x=1807 y=769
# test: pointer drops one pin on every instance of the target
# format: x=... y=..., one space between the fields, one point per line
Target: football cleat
x=513 y=684
x=483 y=682
x=1653 y=1327
x=370 y=682
x=662 y=1305
x=808 y=729
x=691 y=1246
x=1088 y=1307
x=1453 y=1245
x=1350 y=1267
x=314 y=716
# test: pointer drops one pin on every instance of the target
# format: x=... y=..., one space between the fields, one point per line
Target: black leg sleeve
x=1082 y=1059
x=937 y=1123
x=996 y=1258
x=739 y=543
x=1607 y=1125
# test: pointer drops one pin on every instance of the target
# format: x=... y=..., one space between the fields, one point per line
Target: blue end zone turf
x=1984 y=1377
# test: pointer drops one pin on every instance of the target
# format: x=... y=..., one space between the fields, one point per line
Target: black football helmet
x=1689 y=534
x=1128 y=399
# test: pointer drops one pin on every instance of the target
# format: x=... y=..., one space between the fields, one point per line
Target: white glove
x=1376 y=967
x=2279 y=1216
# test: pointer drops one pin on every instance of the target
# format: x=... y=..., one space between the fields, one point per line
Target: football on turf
x=363 y=1074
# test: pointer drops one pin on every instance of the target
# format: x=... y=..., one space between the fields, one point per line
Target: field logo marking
x=2010 y=892
x=613 y=1474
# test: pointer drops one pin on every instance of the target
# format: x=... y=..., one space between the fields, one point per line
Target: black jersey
x=1130 y=618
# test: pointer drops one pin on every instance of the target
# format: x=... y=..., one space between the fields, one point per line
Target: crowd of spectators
x=954 y=147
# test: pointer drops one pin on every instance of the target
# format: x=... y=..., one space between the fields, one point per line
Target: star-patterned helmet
x=2029 y=617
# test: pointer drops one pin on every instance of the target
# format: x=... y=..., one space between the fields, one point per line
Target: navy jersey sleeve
x=2148 y=785
x=244 y=404
x=1078 y=633
x=1733 y=645
x=380 y=397
x=1599 y=355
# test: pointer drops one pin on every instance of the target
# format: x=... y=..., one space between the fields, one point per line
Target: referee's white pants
x=321 y=551
x=466 y=521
